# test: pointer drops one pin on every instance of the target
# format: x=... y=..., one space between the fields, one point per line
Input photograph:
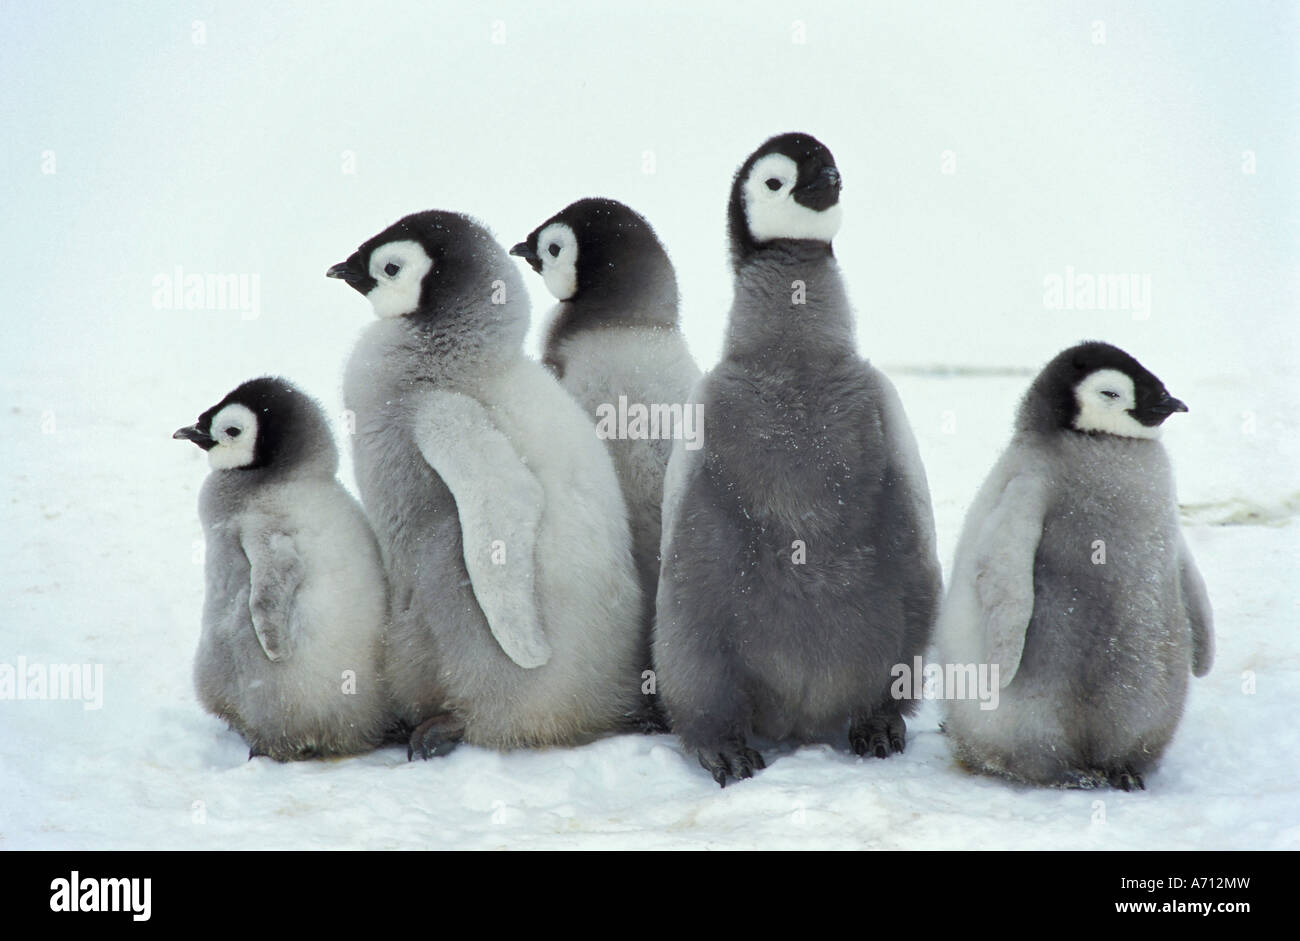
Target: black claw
x=442 y=747
x=1127 y=781
x=434 y=738
x=739 y=762
x=880 y=736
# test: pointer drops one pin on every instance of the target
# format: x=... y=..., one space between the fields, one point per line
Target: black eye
x=233 y=431
x=391 y=269
x=1109 y=394
x=773 y=183
x=554 y=249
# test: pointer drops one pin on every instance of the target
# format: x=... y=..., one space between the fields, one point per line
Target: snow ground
x=231 y=155
x=150 y=770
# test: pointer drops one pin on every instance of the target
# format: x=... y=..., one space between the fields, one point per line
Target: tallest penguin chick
x=1073 y=578
x=514 y=600
x=799 y=562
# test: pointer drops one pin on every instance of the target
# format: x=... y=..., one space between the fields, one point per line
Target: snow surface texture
x=280 y=141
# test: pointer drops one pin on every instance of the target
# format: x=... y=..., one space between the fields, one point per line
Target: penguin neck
x=646 y=310
x=465 y=334
x=232 y=488
x=1146 y=456
x=789 y=305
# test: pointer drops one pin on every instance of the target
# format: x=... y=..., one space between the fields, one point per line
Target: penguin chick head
x=423 y=263
x=600 y=248
x=1096 y=388
x=787 y=189
x=265 y=423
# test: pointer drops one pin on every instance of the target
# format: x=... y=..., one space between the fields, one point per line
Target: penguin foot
x=285 y=753
x=435 y=737
x=647 y=720
x=736 y=760
x=1070 y=778
x=1125 y=780
x=399 y=733
x=881 y=736
x=650 y=724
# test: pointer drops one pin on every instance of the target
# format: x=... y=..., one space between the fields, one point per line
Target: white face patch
x=1104 y=398
x=399 y=269
x=557 y=247
x=771 y=210
x=235 y=428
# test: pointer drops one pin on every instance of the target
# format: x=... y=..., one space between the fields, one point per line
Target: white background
x=1126 y=155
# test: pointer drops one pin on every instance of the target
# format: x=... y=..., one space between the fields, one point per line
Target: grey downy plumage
x=799 y=561
x=503 y=530
x=614 y=342
x=295 y=601
x=1072 y=575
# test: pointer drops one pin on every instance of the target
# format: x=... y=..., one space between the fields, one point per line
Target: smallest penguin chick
x=295 y=600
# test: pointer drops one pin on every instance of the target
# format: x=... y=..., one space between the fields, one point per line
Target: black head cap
x=817 y=186
x=1051 y=402
x=462 y=257
x=291 y=426
x=619 y=256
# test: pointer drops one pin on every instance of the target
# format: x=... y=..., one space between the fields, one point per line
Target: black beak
x=353 y=272
x=822 y=191
x=192 y=433
x=346 y=271
x=527 y=254
x=1154 y=413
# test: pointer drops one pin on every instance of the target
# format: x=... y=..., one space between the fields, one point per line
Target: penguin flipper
x=906 y=511
x=275 y=573
x=1196 y=602
x=1004 y=570
x=682 y=462
x=905 y=465
x=499 y=501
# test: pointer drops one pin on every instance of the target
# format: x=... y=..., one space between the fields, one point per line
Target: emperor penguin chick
x=1073 y=578
x=799 y=557
x=516 y=610
x=294 y=610
x=615 y=345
